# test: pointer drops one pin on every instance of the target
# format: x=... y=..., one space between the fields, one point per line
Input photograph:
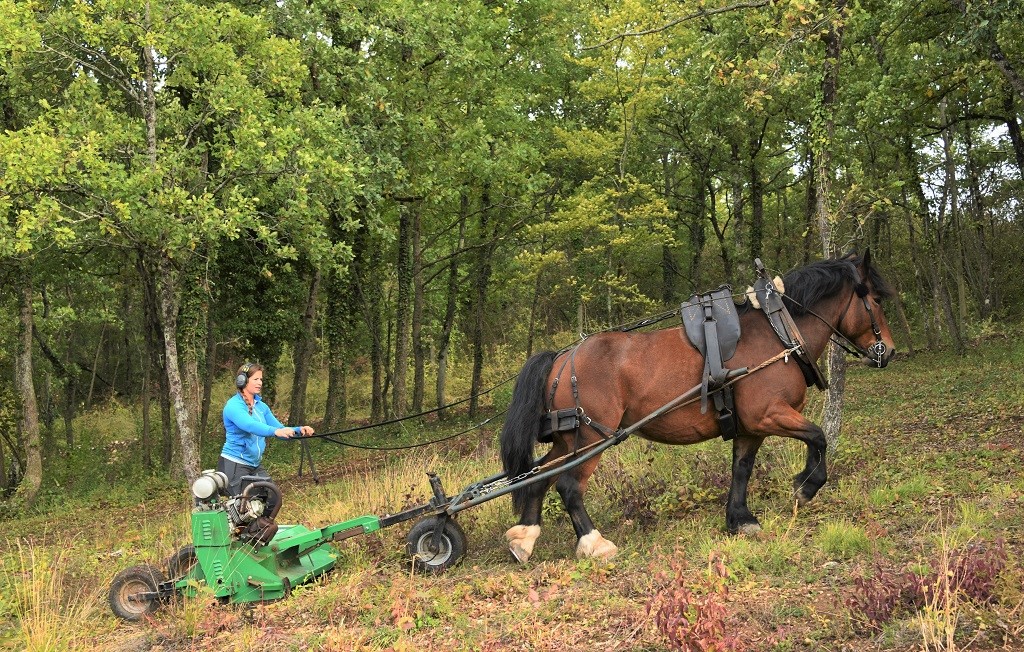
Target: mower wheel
x=181 y=562
x=130 y=583
x=427 y=557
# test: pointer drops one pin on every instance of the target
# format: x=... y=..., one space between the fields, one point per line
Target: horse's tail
x=522 y=424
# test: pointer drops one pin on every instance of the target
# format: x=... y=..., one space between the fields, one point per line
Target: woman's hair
x=245 y=372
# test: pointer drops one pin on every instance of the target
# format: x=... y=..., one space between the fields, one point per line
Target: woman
x=249 y=423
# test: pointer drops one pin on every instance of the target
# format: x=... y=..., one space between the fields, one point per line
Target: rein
x=329 y=436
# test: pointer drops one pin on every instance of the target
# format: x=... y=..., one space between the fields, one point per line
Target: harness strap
x=569 y=418
x=786 y=329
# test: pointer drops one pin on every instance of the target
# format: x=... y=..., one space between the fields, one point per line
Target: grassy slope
x=929 y=461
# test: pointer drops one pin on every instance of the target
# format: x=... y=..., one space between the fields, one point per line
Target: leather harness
x=711 y=323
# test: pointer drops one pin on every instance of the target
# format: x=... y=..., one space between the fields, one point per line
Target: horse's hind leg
x=571 y=485
x=738 y=517
x=522 y=537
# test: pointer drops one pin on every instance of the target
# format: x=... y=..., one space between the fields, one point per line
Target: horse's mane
x=808 y=285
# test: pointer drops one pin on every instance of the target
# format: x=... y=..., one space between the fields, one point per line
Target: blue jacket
x=247 y=433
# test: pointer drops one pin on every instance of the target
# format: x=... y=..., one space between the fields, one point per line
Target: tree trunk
x=95 y=364
x=304 y=349
x=28 y=490
x=738 y=202
x=832 y=418
x=70 y=393
x=669 y=263
x=346 y=299
x=337 y=380
x=812 y=207
x=480 y=284
x=419 y=352
x=698 y=232
x=1013 y=129
x=905 y=322
x=375 y=324
x=756 y=195
x=451 y=303
x=719 y=230
x=756 y=211
x=5 y=482
x=947 y=250
x=208 y=375
x=183 y=415
x=980 y=249
x=147 y=382
x=402 y=311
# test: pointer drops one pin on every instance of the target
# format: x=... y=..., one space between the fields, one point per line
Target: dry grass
x=49 y=600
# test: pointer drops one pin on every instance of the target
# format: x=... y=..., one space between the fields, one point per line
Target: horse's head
x=863 y=322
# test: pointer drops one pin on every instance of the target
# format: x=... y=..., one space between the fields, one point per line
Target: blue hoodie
x=247 y=433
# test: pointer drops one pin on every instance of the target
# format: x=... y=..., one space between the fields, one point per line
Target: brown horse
x=622 y=377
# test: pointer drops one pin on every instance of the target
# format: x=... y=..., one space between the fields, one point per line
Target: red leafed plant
x=971 y=572
x=691 y=611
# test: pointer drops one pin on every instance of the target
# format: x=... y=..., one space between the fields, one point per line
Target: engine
x=251 y=513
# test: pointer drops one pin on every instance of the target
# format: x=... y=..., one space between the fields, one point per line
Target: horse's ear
x=867 y=259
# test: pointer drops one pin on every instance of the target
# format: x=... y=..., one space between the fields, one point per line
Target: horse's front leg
x=808 y=482
x=785 y=421
x=571 y=486
x=738 y=517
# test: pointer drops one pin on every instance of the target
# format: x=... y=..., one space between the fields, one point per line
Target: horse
x=618 y=378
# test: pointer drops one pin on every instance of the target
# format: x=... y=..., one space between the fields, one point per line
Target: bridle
x=877 y=350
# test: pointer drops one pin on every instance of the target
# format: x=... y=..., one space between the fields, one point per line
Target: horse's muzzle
x=878 y=361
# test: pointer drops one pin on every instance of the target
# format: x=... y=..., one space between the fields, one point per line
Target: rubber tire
x=452 y=549
x=137 y=579
x=181 y=562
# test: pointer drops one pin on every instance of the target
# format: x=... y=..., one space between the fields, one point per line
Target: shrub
x=970 y=572
x=693 y=617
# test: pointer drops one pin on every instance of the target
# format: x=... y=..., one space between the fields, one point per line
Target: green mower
x=241 y=555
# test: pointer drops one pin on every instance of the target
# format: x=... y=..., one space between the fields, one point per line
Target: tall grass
x=48 y=602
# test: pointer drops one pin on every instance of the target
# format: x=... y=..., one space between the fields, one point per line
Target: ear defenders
x=242 y=379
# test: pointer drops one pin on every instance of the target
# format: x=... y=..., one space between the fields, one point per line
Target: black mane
x=808 y=285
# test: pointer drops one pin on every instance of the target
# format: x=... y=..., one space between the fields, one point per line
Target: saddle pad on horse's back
x=723 y=311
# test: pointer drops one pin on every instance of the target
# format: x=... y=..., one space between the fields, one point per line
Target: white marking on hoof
x=595 y=545
x=750 y=529
x=520 y=541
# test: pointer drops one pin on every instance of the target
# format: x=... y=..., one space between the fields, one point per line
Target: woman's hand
x=296 y=431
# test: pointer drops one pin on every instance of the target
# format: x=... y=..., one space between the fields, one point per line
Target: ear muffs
x=242 y=379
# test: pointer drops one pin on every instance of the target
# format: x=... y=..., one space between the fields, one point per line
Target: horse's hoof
x=519 y=553
x=802 y=498
x=596 y=546
x=520 y=541
x=749 y=529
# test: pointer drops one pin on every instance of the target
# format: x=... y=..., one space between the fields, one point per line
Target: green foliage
x=843 y=540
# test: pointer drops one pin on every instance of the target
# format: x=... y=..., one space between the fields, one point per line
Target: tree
x=204 y=138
